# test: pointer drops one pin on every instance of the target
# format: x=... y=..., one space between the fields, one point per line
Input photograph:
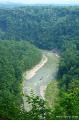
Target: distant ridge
x=10 y=5
x=15 y=4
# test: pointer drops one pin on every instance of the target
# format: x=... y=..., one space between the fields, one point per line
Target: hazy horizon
x=41 y=1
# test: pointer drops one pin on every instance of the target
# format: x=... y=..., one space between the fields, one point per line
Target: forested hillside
x=15 y=59
x=68 y=77
x=47 y=27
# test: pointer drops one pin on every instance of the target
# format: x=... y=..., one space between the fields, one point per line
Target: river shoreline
x=29 y=74
x=38 y=78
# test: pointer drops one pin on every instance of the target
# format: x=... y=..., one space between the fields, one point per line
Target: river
x=44 y=75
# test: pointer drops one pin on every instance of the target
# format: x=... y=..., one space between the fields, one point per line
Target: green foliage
x=15 y=58
x=47 y=27
x=51 y=94
x=68 y=76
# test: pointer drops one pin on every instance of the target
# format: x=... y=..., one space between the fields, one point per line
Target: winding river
x=43 y=75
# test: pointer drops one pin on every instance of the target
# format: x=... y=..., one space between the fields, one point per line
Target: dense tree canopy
x=45 y=26
x=15 y=58
x=48 y=27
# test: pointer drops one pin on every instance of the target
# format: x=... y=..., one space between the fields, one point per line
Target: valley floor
x=38 y=78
